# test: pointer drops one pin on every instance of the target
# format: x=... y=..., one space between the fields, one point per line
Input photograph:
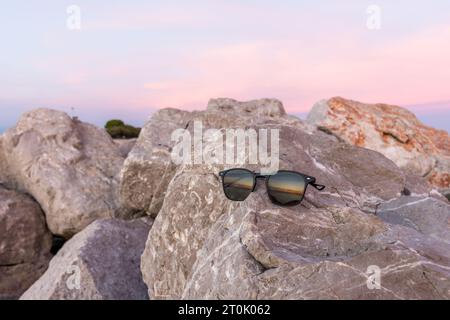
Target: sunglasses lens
x=238 y=184
x=286 y=188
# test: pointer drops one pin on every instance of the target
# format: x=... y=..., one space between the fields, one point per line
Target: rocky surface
x=320 y=254
x=5 y=177
x=71 y=168
x=203 y=246
x=25 y=243
x=101 y=262
x=373 y=215
x=125 y=145
x=446 y=193
x=419 y=213
x=390 y=130
x=149 y=168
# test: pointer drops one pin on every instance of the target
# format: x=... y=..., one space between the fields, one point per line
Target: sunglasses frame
x=256 y=175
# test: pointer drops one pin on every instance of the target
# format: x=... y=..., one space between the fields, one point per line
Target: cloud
x=235 y=49
x=157 y=86
x=403 y=71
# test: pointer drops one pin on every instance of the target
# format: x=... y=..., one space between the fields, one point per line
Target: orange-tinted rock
x=390 y=130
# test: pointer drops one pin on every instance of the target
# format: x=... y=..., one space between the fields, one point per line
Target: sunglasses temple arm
x=318 y=186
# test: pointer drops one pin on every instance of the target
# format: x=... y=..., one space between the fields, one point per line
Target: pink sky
x=130 y=59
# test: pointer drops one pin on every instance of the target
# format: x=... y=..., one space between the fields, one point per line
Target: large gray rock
x=100 y=262
x=148 y=168
x=25 y=243
x=203 y=246
x=71 y=168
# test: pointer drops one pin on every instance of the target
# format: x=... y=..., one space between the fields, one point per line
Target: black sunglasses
x=285 y=188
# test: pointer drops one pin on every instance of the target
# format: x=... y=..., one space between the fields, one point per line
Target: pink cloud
x=408 y=71
x=299 y=71
x=148 y=16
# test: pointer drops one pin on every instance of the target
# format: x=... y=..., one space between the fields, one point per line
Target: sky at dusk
x=132 y=57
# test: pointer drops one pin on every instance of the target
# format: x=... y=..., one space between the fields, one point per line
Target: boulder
x=25 y=243
x=100 y=262
x=71 y=168
x=149 y=168
x=390 y=130
x=203 y=246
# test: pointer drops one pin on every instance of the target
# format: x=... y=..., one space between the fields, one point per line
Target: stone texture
x=203 y=246
x=71 y=168
x=446 y=194
x=148 y=169
x=427 y=215
x=25 y=243
x=125 y=145
x=390 y=130
x=320 y=254
x=100 y=262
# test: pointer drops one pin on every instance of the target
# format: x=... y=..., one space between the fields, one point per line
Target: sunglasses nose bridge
x=257 y=178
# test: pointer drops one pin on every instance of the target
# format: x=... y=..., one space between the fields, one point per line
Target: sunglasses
x=285 y=188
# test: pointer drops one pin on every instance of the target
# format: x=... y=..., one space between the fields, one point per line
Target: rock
x=71 y=168
x=446 y=194
x=390 y=130
x=149 y=168
x=427 y=215
x=125 y=145
x=5 y=177
x=417 y=186
x=203 y=246
x=100 y=262
x=24 y=243
x=320 y=254
x=3 y=168
x=257 y=108
x=15 y=279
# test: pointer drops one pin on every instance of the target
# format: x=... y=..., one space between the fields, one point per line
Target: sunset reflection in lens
x=238 y=184
x=286 y=188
